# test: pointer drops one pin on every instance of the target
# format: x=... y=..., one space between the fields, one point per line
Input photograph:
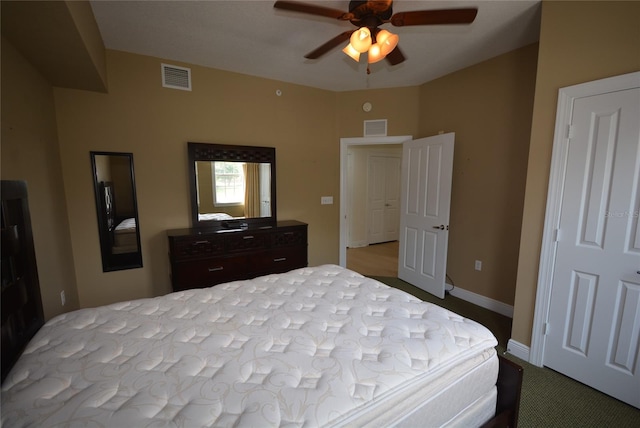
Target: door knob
x=441 y=227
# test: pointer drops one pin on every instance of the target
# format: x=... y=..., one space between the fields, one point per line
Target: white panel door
x=392 y=199
x=376 y=199
x=593 y=326
x=383 y=198
x=427 y=167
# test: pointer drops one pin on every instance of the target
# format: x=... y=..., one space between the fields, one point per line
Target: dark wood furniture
x=22 y=314
x=509 y=388
x=205 y=257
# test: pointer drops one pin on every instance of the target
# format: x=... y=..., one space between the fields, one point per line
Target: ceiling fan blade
x=318 y=52
x=311 y=9
x=434 y=17
x=395 y=57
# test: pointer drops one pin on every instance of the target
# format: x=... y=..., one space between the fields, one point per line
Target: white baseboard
x=358 y=244
x=517 y=349
x=482 y=301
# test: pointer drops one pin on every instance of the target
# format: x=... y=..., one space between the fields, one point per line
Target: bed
x=214 y=216
x=317 y=346
x=125 y=237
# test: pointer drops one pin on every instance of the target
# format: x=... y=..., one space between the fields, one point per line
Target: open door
x=427 y=168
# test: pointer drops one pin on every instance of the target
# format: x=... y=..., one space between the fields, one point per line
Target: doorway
x=346 y=164
x=586 y=320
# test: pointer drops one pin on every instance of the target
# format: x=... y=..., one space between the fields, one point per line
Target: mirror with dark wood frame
x=232 y=187
x=117 y=209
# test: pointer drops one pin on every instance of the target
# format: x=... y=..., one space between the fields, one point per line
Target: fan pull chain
x=368 y=70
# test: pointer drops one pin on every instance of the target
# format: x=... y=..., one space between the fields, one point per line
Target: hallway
x=375 y=260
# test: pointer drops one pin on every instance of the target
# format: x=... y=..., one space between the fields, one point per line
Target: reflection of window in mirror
x=245 y=180
x=228 y=182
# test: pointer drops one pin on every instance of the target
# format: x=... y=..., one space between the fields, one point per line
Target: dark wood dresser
x=203 y=257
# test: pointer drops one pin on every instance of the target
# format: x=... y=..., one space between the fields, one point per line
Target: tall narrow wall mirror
x=117 y=209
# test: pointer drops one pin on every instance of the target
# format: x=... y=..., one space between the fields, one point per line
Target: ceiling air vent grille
x=375 y=128
x=176 y=77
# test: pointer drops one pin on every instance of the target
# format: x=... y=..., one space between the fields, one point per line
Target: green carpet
x=549 y=399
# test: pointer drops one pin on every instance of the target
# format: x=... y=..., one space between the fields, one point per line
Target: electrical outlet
x=478 y=265
x=63 y=298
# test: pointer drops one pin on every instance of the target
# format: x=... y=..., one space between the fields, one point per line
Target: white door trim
x=566 y=97
x=344 y=145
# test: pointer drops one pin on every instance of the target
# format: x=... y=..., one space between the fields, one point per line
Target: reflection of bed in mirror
x=215 y=216
x=124 y=237
x=122 y=233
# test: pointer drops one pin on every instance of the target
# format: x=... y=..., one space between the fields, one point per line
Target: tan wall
x=123 y=192
x=138 y=115
x=489 y=107
x=30 y=152
x=579 y=42
x=398 y=105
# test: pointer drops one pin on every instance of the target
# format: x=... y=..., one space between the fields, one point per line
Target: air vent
x=176 y=77
x=375 y=128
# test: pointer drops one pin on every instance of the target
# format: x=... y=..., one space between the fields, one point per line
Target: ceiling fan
x=368 y=16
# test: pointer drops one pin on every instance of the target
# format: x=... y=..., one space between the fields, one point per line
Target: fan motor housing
x=370 y=13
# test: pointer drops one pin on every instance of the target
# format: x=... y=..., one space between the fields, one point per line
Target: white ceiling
x=251 y=37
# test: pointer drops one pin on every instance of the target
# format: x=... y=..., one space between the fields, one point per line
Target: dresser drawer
x=204 y=273
x=289 y=237
x=248 y=241
x=195 y=247
x=280 y=260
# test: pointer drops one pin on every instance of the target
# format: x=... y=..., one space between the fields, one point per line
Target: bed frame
x=509 y=389
x=22 y=313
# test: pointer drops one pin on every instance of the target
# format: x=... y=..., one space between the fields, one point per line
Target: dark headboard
x=107 y=206
x=22 y=314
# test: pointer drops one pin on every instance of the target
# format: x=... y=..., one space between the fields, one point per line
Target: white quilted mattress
x=320 y=346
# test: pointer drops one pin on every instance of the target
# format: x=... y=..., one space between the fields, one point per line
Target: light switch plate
x=326 y=200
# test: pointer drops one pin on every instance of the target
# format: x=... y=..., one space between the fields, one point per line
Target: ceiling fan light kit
x=361 y=41
x=349 y=50
x=368 y=15
x=387 y=41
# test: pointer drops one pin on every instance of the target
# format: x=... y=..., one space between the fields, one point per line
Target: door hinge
x=556 y=235
x=545 y=329
x=570 y=131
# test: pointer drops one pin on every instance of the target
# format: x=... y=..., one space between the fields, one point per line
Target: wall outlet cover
x=326 y=200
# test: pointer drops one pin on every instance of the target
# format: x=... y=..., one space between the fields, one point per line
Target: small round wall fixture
x=366 y=107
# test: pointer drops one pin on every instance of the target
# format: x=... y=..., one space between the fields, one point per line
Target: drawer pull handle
x=200 y=242
x=281 y=259
x=248 y=237
x=289 y=233
x=216 y=269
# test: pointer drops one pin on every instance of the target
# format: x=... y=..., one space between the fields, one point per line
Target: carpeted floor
x=549 y=399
